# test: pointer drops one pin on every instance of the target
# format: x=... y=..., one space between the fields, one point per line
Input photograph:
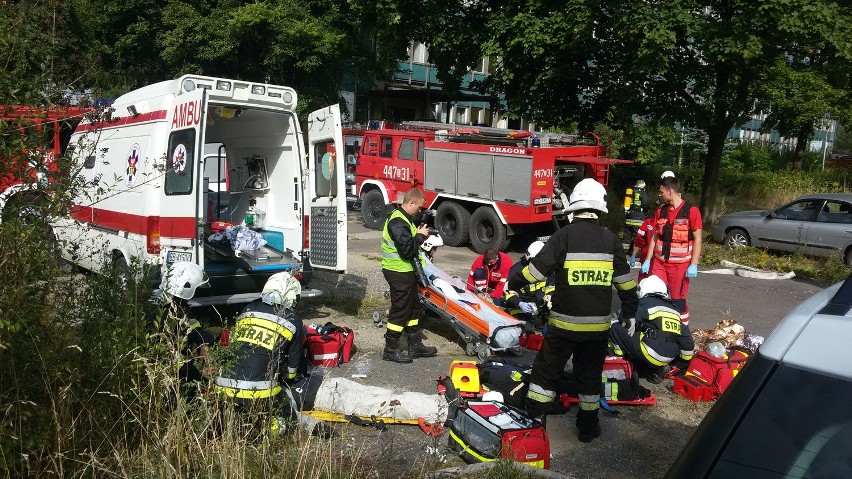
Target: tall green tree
x=698 y=63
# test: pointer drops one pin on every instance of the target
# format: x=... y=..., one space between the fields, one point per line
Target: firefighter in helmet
x=177 y=287
x=657 y=337
x=588 y=260
x=268 y=338
x=635 y=205
x=531 y=302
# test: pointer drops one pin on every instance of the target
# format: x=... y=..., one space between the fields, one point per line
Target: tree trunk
x=801 y=143
x=712 y=167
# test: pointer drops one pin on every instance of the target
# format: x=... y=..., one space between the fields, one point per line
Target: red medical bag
x=329 y=345
x=708 y=376
x=484 y=431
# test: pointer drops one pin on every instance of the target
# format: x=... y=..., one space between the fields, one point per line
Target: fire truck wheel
x=453 y=222
x=373 y=209
x=487 y=231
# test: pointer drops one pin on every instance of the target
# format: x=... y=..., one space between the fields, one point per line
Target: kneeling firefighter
x=268 y=337
x=588 y=260
x=531 y=301
x=658 y=337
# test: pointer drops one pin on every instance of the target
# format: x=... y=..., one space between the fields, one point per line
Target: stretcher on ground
x=485 y=328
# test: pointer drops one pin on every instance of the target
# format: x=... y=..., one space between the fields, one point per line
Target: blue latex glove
x=646 y=266
x=632 y=261
x=692 y=271
x=526 y=307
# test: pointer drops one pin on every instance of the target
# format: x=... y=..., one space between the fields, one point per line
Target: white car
x=787 y=413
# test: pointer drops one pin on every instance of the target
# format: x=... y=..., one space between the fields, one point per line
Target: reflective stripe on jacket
x=391 y=260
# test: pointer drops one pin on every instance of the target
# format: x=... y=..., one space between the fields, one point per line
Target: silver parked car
x=818 y=225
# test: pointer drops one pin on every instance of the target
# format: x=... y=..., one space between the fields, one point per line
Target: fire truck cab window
x=420 y=152
x=386 y=147
x=180 y=162
x=406 y=149
x=326 y=177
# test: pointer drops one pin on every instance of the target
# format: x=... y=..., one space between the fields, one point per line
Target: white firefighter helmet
x=588 y=195
x=281 y=289
x=534 y=248
x=182 y=278
x=640 y=184
x=667 y=173
x=433 y=241
x=653 y=285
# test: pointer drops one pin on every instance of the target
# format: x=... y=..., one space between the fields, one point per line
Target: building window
x=461 y=117
x=418 y=53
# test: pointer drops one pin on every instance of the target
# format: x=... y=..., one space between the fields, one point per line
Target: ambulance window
x=326 y=168
x=420 y=152
x=386 y=150
x=180 y=162
x=406 y=149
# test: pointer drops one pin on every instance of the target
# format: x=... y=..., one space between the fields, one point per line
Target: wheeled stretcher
x=486 y=329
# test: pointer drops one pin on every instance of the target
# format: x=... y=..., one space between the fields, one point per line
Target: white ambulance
x=182 y=159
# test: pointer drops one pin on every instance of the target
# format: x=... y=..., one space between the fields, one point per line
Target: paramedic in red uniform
x=489 y=273
x=588 y=261
x=675 y=245
x=401 y=241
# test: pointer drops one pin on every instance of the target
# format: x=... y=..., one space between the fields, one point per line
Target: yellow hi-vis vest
x=391 y=260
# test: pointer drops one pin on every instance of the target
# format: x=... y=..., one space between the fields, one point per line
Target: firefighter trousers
x=674 y=275
x=587 y=355
x=630 y=347
x=405 y=310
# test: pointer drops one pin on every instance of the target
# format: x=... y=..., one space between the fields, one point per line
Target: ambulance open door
x=327 y=158
x=182 y=196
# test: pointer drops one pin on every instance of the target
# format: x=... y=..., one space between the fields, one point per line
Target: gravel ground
x=641 y=441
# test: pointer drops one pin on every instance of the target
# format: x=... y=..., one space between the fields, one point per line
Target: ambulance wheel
x=487 y=231
x=453 y=222
x=470 y=349
x=373 y=209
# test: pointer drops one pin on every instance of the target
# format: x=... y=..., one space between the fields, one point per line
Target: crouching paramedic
x=528 y=301
x=588 y=261
x=401 y=241
x=268 y=338
x=658 y=337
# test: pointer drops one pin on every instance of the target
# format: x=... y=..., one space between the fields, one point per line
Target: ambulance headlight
x=188 y=85
x=288 y=97
x=223 y=85
x=258 y=89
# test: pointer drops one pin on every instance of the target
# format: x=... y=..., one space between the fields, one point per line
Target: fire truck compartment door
x=328 y=228
x=182 y=195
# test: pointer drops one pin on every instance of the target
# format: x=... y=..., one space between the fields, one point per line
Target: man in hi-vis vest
x=675 y=248
x=401 y=241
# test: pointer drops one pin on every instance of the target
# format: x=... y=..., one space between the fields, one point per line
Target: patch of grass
x=826 y=270
x=372 y=256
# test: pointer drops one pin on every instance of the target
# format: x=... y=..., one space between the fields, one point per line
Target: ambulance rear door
x=328 y=199
x=182 y=197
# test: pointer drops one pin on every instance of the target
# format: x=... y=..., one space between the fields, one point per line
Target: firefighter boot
x=393 y=351
x=588 y=424
x=416 y=348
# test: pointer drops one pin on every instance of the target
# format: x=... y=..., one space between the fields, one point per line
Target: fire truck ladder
x=488 y=135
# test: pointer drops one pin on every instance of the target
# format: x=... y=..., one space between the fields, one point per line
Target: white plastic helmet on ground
x=653 y=285
x=182 y=278
x=588 y=195
x=281 y=289
x=534 y=248
x=433 y=241
x=667 y=173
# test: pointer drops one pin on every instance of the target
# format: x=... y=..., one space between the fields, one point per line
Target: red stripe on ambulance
x=127 y=120
x=170 y=227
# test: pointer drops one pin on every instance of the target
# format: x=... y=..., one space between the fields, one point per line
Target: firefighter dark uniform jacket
x=662 y=336
x=400 y=242
x=268 y=351
x=526 y=292
x=588 y=260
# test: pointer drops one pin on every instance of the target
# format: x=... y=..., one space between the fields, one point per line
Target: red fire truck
x=486 y=184
x=23 y=173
